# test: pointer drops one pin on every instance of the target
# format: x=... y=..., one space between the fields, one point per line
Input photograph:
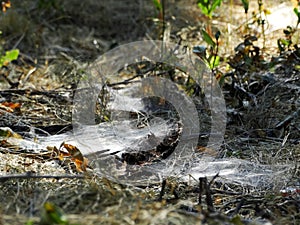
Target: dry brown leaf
x=10 y=106
x=5 y=5
x=76 y=156
x=73 y=152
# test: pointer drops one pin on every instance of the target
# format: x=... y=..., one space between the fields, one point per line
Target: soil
x=58 y=40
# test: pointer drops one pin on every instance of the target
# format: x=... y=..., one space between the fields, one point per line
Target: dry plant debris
x=57 y=43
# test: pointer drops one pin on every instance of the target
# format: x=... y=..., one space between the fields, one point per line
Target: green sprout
x=296 y=11
x=208 y=7
x=291 y=35
x=210 y=57
x=245 y=5
x=8 y=57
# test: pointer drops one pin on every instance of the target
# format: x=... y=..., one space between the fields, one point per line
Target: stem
x=215 y=54
x=163 y=25
x=163 y=19
x=30 y=175
x=262 y=21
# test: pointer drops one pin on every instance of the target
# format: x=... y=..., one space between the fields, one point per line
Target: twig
x=162 y=191
x=209 y=201
x=30 y=175
x=205 y=187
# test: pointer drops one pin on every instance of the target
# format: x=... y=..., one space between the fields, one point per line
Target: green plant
x=52 y=214
x=285 y=43
x=209 y=56
x=258 y=19
x=261 y=21
x=245 y=5
x=291 y=36
x=29 y=222
x=208 y=7
x=160 y=7
x=247 y=55
x=296 y=11
x=8 y=56
x=246 y=8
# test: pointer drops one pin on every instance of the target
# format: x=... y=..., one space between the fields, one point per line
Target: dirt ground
x=59 y=39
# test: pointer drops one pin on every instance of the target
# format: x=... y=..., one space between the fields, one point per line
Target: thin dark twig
x=238 y=207
x=176 y=196
x=163 y=20
x=153 y=68
x=204 y=187
x=213 y=179
x=127 y=81
x=162 y=191
x=30 y=175
x=200 y=190
x=209 y=201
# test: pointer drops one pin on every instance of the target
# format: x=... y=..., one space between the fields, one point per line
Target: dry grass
x=58 y=43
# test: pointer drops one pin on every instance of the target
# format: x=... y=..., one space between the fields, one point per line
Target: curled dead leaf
x=72 y=152
x=10 y=106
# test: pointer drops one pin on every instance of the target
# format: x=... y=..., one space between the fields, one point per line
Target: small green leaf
x=245 y=5
x=207 y=6
x=280 y=46
x=12 y=55
x=296 y=11
x=9 y=56
x=157 y=4
x=203 y=5
x=285 y=42
x=214 y=61
x=207 y=38
x=214 y=5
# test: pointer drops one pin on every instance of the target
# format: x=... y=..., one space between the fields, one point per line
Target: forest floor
x=58 y=40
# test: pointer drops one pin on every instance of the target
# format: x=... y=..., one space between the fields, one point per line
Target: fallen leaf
x=10 y=106
x=80 y=162
x=5 y=5
x=74 y=151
